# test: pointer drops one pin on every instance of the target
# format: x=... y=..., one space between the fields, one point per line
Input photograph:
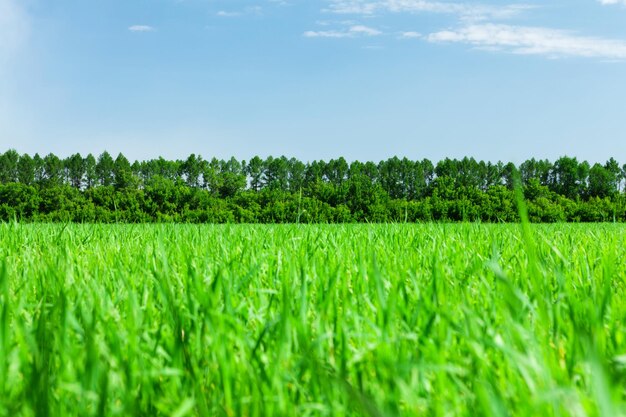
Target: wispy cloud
x=224 y=13
x=351 y=32
x=252 y=10
x=141 y=28
x=465 y=11
x=410 y=35
x=533 y=41
x=481 y=26
x=14 y=26
x=364 y=30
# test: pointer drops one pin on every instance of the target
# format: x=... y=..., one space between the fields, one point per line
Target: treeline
x=280 y=190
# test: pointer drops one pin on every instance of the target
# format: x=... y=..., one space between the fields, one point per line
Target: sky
x=315 y=79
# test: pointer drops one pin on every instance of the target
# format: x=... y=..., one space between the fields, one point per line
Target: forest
x=105 y=189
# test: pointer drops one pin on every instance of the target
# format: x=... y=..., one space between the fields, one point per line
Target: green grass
x=368 y=320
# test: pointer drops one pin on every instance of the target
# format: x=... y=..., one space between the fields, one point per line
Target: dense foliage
x=312 y=320
x=281 y=190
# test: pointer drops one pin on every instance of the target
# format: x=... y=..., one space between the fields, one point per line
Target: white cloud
x=533 y=41
x=326 y=34
x=141 y=28
x=252 y=10
x=364 y=30
x=257 y=10
x=481 y=27
x=352 y=32
x=14 y=26
x=465 y=11
x=410 y=35
x=224 y=13
x=353 y=6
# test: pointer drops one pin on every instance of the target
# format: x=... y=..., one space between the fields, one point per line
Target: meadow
x=319 y=320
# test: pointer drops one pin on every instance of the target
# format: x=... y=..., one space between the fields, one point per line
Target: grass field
x=372 y=320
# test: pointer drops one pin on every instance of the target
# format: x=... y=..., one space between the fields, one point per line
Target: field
x=368 y=320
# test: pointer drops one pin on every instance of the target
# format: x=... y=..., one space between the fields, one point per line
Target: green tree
x=18 y=201
x=296 y=176
x=276 y=173
x=492 y=175
x=26 y=170
x=601 y=182
x=8 y=166
x=75 y=169
x=91 y=174
x=390 y=172
x=566 y=177
x=366 y=199
x=508 y=174
x=53 y=168
x=191 y=169
x=447 y=168
x=40 y=169
x=254 y=170
x=122 y=173
x=313 y=174
x=104 y=169
x=211 y=178
x=612 y=166
x=166 y=169
x=470 y=173
x=336 y=171
x=232 y=178
x=532 y=168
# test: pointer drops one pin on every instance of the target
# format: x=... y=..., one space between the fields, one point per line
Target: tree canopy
x=280 y=189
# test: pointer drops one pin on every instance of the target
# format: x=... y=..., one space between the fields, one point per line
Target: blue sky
x=315 y=79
